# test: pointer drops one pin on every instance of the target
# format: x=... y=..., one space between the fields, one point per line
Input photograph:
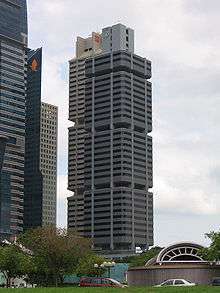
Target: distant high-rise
x=110 y=150
x=48 y=162
x=40 y=151
x=13 y=43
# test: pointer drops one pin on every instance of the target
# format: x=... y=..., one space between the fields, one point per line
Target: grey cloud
x=201 y=6
x=181 y=40
x=172 y=228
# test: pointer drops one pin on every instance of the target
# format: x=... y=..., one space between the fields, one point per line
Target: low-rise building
x=177 y=261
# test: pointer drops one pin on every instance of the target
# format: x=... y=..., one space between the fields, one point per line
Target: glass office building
x=33 y=177
x=40 y=151
x=13 y=44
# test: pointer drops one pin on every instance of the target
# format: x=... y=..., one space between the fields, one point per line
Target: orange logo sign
x=34 y=65
x=97 y=39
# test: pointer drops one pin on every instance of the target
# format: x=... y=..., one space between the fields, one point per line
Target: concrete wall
x=117 y=37
x=199 y=274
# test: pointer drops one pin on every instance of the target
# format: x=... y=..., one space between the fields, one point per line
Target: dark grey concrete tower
x=13 y=43
x=113 y=205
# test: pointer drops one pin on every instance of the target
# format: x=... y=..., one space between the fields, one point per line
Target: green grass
x=112 y=290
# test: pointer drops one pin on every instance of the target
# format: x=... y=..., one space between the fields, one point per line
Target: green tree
x=12 y=262
x=141 y=259
x=33 y=272
x=56 y=252
x=212 y=253
x=86 y=266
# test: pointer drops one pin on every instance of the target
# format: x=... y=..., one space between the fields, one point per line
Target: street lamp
x=109 y=265
x=106 y=264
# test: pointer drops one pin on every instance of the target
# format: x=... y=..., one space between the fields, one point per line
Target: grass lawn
x=111 y=290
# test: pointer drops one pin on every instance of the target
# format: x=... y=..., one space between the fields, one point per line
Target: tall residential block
x=40 y=151
x=110 y=149
x=13 y=43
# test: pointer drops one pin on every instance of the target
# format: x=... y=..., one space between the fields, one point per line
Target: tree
x=33 y=272
x=12 y=262
x=56 y=252
x=141 y=259
x=86 y=266
x=212 y=253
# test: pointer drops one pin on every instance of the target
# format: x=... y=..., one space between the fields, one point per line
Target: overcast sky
x=182 y=40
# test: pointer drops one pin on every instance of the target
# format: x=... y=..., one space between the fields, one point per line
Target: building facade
x=40 y=150
x=13 y=43
x=33 y=176
x=84 y=48
x=110 y=150
x=48 y=162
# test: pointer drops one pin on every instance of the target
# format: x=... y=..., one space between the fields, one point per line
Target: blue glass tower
x=13 y=59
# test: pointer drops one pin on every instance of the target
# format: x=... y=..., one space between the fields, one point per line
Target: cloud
x=62 y=194
x=181 y=40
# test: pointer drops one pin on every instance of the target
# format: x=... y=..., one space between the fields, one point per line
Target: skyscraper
x=110 y=150
x=33 y=177
x=40 y=151
x=48 y=162
x=13 y=43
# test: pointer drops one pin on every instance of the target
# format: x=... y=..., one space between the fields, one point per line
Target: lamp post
x=106 y=264
x=98 y=266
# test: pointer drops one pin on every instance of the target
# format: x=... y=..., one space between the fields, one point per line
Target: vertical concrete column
x=132 y=142
x=93 y=149
x=146 y=143
x=111 y=150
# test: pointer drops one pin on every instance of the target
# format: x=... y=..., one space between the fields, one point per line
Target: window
x=216 y=281
x=96 y=281
x=168 y=283
x=179 y=282
x=87 y=280
x=106 y=281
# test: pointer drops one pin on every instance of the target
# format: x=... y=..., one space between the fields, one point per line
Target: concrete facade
x=201 y=274
x=48 y=162
x=110 y=149
x=117 y=38
x=86 y=47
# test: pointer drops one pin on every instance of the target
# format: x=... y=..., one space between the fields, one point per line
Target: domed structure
x=178 y=252
x=177 y=261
